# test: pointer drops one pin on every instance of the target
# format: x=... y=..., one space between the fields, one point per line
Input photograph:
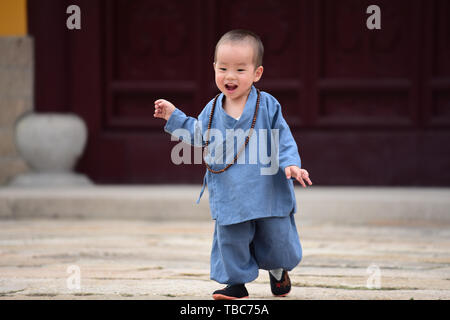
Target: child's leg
x=276 y=243
x=232 y=261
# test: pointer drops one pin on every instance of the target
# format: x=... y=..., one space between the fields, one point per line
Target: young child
x=254 y=210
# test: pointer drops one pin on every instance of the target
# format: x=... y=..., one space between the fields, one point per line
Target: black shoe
x=231 y=292
x=280 y=288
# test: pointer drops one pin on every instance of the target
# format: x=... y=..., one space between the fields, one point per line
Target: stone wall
x=16 y=98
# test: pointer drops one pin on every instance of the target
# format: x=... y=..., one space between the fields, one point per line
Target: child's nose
x=230 y=75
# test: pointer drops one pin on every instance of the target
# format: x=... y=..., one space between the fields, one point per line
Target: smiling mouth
x=231 y=87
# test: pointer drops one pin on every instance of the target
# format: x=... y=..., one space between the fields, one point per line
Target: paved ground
x=120 y=259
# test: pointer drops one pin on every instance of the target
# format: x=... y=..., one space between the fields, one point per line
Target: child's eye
x=222 y=69
x=240 y=70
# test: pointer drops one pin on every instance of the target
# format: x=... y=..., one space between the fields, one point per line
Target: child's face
x=235 y=69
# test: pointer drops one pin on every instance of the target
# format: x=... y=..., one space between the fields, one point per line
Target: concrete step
x=349 y=205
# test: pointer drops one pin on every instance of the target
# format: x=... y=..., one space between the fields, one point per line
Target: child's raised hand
x=298 y=174
x=163 y=109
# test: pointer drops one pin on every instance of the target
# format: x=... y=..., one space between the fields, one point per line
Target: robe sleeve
x=185 y=128
x=288 y=151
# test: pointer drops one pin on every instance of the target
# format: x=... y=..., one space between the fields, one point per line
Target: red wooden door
x=367 y=107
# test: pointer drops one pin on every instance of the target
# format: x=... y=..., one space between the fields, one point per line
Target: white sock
x=277 y=273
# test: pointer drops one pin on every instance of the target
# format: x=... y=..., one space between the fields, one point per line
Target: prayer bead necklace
x=205 y=151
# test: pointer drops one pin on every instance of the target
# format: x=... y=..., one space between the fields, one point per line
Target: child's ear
x=214 y=65
x=258 y=73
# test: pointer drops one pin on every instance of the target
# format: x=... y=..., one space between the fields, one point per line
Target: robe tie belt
x=203 y=189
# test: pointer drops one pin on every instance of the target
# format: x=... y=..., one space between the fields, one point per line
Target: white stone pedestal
x=51 y=144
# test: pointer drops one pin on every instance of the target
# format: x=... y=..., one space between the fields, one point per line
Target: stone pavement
x=148 y=259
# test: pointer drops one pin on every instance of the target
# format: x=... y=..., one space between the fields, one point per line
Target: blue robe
x=243 y=193
x=240 y=250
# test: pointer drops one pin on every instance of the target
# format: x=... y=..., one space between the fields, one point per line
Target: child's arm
x=179 y=125
x=289 y=157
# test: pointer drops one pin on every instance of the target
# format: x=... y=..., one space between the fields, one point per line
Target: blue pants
x=240 y=250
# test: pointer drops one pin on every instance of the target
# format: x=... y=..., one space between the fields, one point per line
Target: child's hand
x=163 y=109
x=298 y=174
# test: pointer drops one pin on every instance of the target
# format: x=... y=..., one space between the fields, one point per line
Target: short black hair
x=238 y=35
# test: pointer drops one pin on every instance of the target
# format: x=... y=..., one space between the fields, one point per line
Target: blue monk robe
x=249 y=189
x=252 y=202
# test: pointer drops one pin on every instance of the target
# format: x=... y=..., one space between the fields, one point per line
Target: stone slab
x=348 y=205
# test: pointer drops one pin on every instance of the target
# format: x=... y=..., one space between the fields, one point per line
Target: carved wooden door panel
x=365 y=93
x=380 y=99
x=147 y=50
x=434 y=156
